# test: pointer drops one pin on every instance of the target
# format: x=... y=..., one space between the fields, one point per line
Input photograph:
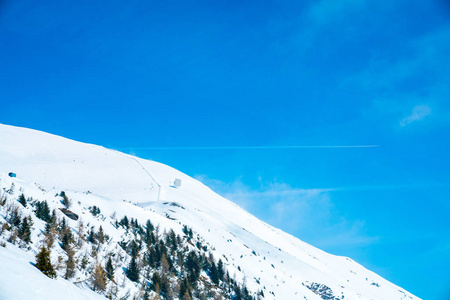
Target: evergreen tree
x=53 y=218
x=24 y=231
x=67 y=239
x=185 y=230
x=220 y=269
x=188 y=232
x=124 y=222
x=158 y=255
x=47 y=227
x=184 y=289
x=133 y=270
x=152 y=238
x=62 y=226
x=193 y=267
x=134 y=248
x=172 y=240
x=151 y=257
x=22 y=200
x=91 y=236
x=14 y=217
x=11 y=189
x=245 y=293
x=214 y=273
x=149 y=226
x=43 y=211
x=156 y=282
x=165 y=287
x=205 y=262
x=134 y=224
x=44 y=264
x=237 y=292
x=65 y=201
x=149 y=237
x=109 y=269
x=100 y=235
x=94 y=210
x=162 y=250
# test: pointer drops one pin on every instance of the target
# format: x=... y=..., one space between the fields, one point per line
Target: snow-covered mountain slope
x=286 y=267
x=20 y=280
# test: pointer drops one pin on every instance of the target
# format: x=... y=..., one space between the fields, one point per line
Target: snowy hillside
x=255 y=254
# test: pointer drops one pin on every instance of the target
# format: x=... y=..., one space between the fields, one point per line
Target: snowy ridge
x=264 y=257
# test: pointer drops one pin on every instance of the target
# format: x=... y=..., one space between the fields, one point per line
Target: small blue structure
x=11 y=174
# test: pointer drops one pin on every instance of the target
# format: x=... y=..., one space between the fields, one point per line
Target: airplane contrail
x=249 y=147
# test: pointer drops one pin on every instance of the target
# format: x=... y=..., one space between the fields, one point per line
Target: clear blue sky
x=135 y=74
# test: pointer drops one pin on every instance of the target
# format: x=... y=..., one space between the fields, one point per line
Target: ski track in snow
x=146 y=171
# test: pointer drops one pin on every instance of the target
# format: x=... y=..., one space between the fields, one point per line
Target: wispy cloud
x=347 y=234
x=418 y=113
x=309 y=214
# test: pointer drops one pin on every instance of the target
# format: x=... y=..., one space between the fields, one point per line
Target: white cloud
x=310 y=214
x=348 y=234
x=418 y=113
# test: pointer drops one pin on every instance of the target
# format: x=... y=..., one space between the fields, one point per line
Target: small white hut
x=177 y=183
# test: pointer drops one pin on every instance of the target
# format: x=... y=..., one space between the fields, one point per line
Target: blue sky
x=135 y=75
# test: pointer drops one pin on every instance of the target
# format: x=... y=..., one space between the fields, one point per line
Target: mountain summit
x=268 y=262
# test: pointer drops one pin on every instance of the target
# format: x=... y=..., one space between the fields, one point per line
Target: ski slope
x=253 y=251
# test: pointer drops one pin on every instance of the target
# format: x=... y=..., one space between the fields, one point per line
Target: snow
x=19 y=279
x=127 y=185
